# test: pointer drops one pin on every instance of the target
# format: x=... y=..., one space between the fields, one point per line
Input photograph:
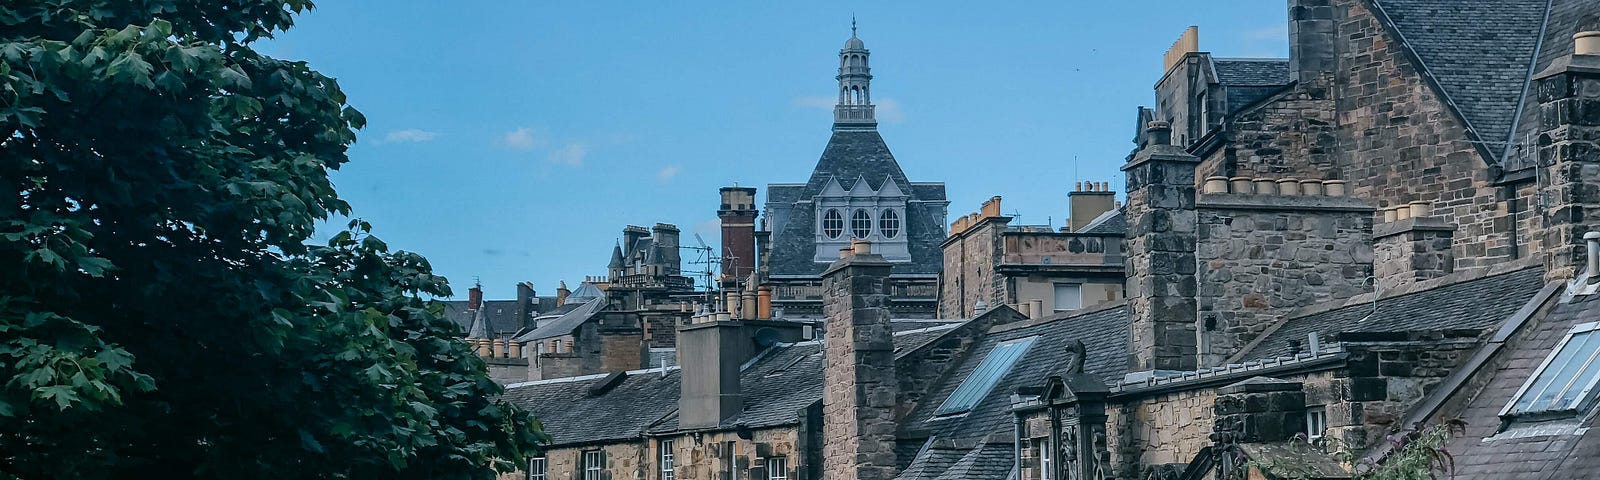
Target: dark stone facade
x=859 y=382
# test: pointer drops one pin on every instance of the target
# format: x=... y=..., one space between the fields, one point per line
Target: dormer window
x=861 y=223
x=889 y=224
x=1564 y=384
x=832 y=223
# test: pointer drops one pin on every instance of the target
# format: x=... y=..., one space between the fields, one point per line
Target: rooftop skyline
x=513 y=143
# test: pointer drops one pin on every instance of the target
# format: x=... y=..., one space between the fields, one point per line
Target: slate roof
x=931 y=463
x=779 y=384
x=988 y=460
x=1252 y=72
x=1104 y=331
x=1480 y=52
x=1478 y=304
x=1111 y=222
x=852 y=156
x=501 y=316
x=572 y=416
x=1484 y=452
x=566 y=323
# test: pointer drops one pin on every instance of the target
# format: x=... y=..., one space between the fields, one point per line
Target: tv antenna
x=707 y=258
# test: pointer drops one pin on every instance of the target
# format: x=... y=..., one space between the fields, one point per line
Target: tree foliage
x=161 y=314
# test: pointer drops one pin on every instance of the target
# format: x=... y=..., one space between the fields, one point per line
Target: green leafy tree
x=161 y=314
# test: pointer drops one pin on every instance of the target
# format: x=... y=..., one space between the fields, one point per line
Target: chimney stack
x=666 y=244
x=1160 y=258
x=1567 y=153
x=1085 y=205
x=562 y=292
x=1312 y=34
x=859 y=382
x=738 y=217
x=475 y=297
x=525 y=299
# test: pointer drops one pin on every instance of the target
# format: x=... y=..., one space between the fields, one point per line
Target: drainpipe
x=1016 y=446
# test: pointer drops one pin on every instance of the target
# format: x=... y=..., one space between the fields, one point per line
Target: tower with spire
x=855 y=109
x=857 y=191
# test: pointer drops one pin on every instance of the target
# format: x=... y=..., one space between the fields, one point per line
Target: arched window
x=889 y=223
x=832 y=223
x=861 y=223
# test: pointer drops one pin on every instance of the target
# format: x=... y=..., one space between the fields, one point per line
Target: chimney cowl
x=1592 y=239
x=1160 y=132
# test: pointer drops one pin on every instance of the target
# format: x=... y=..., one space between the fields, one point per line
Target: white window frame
x=666 y=456
x=1583 y=395
x=1055 y=297
x=1043 y=444
x=1316 y=423
x=886 y=215
x=844 y=224
x=870 y=221
x=593 y=467
x=777 y=468
x=537 y=468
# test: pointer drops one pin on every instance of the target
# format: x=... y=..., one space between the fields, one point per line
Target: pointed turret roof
x=616 y=257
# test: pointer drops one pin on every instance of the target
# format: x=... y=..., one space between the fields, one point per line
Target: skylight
x=981 y=381
x=1565 y=381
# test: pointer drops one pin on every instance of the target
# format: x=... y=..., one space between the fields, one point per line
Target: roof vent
x=1593 y=239
x=606 y=384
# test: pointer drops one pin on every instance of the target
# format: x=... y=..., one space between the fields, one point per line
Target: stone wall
x=707 y=457
x=622 y=461
x=1261 y=256
x=1169 y=428
x=1293 y=134
x=1400 y=143
x=970 y=257
x=1387 y=374
x=1160 y=262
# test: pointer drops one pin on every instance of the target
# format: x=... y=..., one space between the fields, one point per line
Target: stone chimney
x=630 y=244
x=1412 y=250
x=475 y=297
x=1569 y=124
x=562 y=292
x=710 y=353
x=1160 y=248
x=738 y=217
x=1087 y=202
x=859 y=383
x=525 y=299
x=1312 y=34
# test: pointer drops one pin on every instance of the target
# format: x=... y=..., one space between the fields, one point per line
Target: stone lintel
x=1161 y=153
x=1239 y=201
x=1397 y=227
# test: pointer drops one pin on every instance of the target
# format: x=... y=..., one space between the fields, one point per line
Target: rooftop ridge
x=1057 y=317
x=1463 y=276
x=551 y=381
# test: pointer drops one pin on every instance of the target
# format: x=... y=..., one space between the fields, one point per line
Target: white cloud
x=668 y=172
x=888 y=110
x=522 y=138
x=572 y=154
x=410 y=135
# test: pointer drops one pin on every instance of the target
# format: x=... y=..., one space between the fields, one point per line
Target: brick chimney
x=525 y=298
x=859 y=383
x=738 y=216
x=562 y=292
x=1569 y=124
x=475 y=297
x=1160 y=248
x=1088 y=201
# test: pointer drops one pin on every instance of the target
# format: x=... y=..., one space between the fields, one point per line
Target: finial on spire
x=852 y=24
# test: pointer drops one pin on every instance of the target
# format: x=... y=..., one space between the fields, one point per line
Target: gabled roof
x=1471 y=301
x=1111 y=222
x=1480 y=54
x=499 y=316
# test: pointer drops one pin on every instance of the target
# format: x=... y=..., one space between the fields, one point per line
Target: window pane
x=889 y=224
x=982 y=380
x=832 y=223
x=1557 y=373
x=1068 y=297
x=861 y=223
x=1569 y=397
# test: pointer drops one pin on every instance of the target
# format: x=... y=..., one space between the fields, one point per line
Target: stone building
x=1256 y=311
x=856 y=191
x=989 y=261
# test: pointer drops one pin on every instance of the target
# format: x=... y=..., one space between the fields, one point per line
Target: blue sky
x=512 y=141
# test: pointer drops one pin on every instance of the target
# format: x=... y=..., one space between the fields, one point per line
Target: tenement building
x=856 y=192
x=1309 y=273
